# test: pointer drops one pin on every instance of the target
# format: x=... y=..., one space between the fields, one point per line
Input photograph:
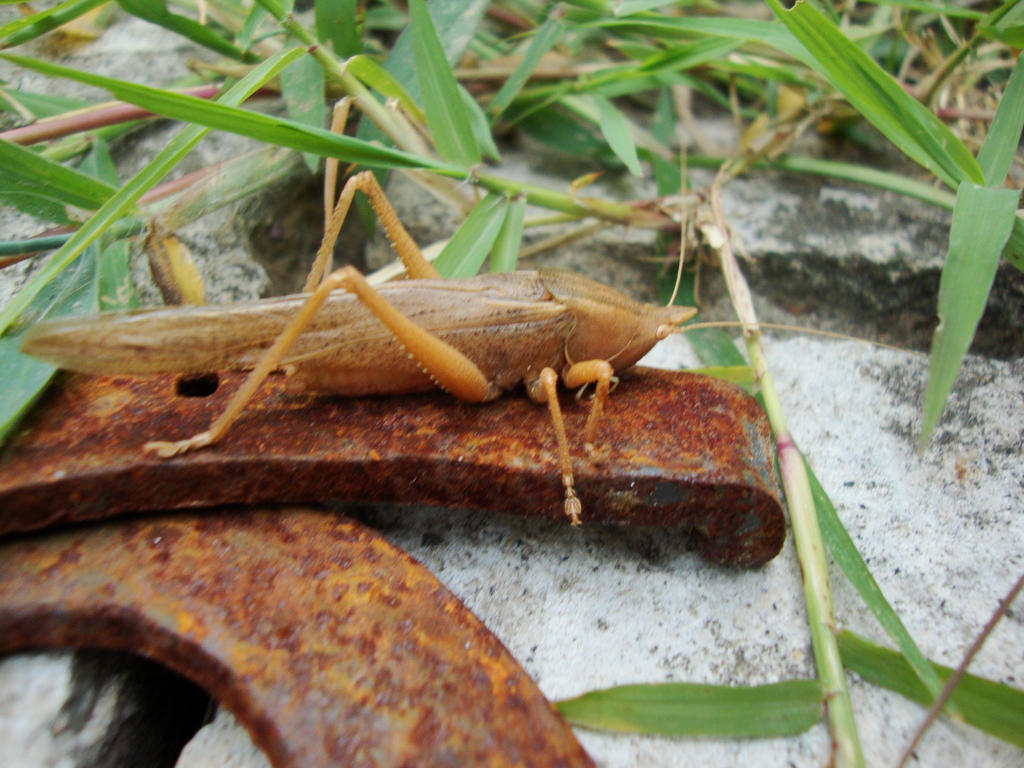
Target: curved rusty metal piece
x=329 y=644
x=682 y=450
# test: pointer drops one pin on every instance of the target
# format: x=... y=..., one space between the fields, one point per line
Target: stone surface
x=64 y=709
x=222 y=743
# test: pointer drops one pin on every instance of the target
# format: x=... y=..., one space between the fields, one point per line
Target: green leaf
x=506 y=247
x=125 y=198
x=375 y=76
x=469 y=246
x=221 y=116
x=155 y=12
x=447 y=118
x=302 y=87
x=667 y=175
x=982 y=221
x=690 y=709
x=336 y=23
x=629 y=7
x=844 y=553
x=566 y=134
x=1004 y=23
x=943 y=9
x=682 y=57
x=115 y=289
x=672 y=28
x=740 y=375
x=39 y=105
x=542 y=42
x=1011 y=36
x=1014 y=251
x=100 y=165
x=30 y=27
x=992 y=707
x=1003 y=137
x=456 y=21
x=615 y=129
x=872 y=92
x=72 y=293
x=44 y=188
x=480 y=127
x=257 y=15
x=663 y=125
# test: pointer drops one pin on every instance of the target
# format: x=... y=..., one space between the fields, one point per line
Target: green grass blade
x=469 y=246
x=982 y=221
x=683 y=57
x=1003 y=137
x=941 y=9
x=542 y=42
x=872 y=92
x=72 y=293
x=302 y=87
x=479 y=126
x=666 y=174
x=125 y=198
x=456 y=20
x=561 y=132
x=505 y=253
x=447 y=118
x=663 y=128
x=335 y=22
x=629 y=7
x=99 y=164
x=114 y=287
x=30 y=27
x=849 y=560
x=44 y=188
x=375 y=76
x=992 y=707
x=1014 y=251
x=615 y=129
x=252 y=26
x=1012 y=36
x=690 y=709
x=40 y=105
x=156 y=12
x=672 y=29
x=740 y=375
x=221 y=116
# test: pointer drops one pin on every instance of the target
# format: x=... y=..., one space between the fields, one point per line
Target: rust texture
x=331 y=646
x=682 y=451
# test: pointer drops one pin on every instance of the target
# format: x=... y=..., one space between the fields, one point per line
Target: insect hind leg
x=415 y=264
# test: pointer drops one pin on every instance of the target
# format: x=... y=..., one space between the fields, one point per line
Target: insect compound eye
x=197 y=385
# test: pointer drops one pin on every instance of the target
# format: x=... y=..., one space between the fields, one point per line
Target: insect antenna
x=793 y=329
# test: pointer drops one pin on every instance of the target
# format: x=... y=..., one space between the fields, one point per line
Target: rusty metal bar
x=330 y=645
x=682 y=451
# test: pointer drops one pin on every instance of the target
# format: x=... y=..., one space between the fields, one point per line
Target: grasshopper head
x=609 y=325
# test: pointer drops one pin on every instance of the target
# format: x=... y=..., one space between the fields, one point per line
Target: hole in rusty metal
x=200 y=385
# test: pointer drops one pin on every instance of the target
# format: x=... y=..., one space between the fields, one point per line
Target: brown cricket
x=474 y=338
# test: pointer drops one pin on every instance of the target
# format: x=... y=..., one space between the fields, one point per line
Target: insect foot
x=573 y=507
x=167 y=450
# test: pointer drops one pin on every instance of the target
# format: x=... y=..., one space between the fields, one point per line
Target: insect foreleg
x=545 y=390
x=601 y=373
